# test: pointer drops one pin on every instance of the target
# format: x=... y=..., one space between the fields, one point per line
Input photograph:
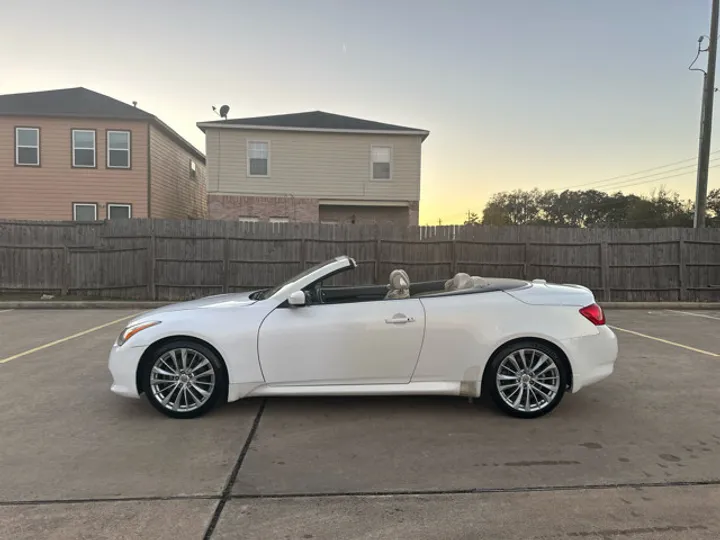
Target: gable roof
x=314 y=121
x=77 y=102
x=80 y=102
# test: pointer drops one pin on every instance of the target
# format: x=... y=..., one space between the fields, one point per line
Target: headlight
x=133 y=329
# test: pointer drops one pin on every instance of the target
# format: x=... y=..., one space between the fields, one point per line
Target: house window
x=83 y=148
x=248 y=219
x=27 y=146
x=119 y=211
x=279 y=220
x=381 y=157
x=118 y=149
x=258 y=158
x=193 y=169
x=85 y=212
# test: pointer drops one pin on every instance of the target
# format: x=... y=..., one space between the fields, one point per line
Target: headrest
x=399 y=279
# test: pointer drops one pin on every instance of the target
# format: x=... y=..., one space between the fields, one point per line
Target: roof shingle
x=79 y=102
x=314 y=120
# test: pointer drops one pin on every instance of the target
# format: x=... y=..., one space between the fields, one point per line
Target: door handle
x=399 y=319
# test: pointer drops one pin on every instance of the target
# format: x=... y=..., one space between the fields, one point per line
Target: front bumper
x=123 y=364
x=592 y=358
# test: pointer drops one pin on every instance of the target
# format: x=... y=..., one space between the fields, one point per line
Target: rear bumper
x=123 y=364
x=592 y=358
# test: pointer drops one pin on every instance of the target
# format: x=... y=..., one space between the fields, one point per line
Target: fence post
x=526 y=263
x=303 y=256
x=151 y=263
x=65 y=287
x=453 y=254
x=376 y=269
x=682 y=270
x=605 y=270
x=226 y=261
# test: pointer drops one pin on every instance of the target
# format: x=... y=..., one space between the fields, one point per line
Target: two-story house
x=75 y=154
x=313 y=166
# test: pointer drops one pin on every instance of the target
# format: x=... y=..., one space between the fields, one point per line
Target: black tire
x=218 y=391
x=543 y=406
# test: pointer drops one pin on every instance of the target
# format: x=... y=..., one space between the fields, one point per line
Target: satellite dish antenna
x=224 y=110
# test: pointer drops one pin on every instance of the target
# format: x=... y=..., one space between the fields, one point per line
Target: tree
x=472 y=219
x=591 y=208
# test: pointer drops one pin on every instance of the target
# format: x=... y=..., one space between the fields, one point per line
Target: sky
x=516 y=94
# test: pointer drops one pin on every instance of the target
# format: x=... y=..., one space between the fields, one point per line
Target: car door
x=373 y=342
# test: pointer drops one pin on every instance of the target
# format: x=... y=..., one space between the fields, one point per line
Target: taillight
x=594 y=314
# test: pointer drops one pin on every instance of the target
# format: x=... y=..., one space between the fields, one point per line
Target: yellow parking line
x=63 y=340
x=667 y=342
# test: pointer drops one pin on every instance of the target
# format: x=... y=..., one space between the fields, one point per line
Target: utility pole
x=706 y=120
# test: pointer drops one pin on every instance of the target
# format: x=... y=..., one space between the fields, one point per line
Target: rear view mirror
x=297 y=298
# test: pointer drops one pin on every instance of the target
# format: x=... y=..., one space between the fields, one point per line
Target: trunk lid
x=542 y=293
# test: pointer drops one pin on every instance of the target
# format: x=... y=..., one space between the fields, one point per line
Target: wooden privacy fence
x=175 y=260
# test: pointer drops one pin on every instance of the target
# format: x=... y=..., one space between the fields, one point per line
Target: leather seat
x=461 y=281
x=399 y=286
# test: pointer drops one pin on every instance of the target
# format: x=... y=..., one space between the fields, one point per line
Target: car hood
x=219 y=301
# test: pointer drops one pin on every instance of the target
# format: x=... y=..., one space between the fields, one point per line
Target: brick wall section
x=365 y=215
x=234 y=207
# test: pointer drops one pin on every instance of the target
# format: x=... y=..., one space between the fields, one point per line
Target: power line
x=641 y=179
x=629 y=175
x=628 y=180
x=611 y=203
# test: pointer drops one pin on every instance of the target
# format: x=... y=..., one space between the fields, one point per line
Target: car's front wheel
x=183 y=379
x=526 y=379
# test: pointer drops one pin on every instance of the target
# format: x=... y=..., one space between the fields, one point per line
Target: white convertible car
x=523 y=343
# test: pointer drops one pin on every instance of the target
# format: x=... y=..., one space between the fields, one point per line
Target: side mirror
x=297 y=298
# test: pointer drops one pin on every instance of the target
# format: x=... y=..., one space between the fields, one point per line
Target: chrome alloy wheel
x=182 y=380
x=528 y=380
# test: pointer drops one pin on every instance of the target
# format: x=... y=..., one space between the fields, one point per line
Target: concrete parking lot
x=634 y=457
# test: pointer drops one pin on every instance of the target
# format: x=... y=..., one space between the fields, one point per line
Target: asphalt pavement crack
x=478 y=491
x=230 y=482
x=227 y=495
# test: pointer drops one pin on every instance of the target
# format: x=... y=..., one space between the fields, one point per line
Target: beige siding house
x=313 y=166
x=74 y=154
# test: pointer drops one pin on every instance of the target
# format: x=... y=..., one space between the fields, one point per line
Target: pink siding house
x=75 y=154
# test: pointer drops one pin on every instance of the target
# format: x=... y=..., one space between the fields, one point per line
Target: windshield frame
x=310 y=275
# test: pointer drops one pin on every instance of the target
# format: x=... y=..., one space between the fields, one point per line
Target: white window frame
x=329 y=222
x=75 y=207
x=247 y=158
x=107 y=148
x=248 y=219
x=372 y=163
x=18 y=146
x=119 y=205
x=193 y=169
x=279 y=220
x=94 y=148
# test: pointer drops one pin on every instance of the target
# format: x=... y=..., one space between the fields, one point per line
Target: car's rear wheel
x=184 y=379
x=526 y=379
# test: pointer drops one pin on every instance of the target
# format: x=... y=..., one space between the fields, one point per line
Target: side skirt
x=413 y=388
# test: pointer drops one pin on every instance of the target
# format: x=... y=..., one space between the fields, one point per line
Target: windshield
x=274 y=290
